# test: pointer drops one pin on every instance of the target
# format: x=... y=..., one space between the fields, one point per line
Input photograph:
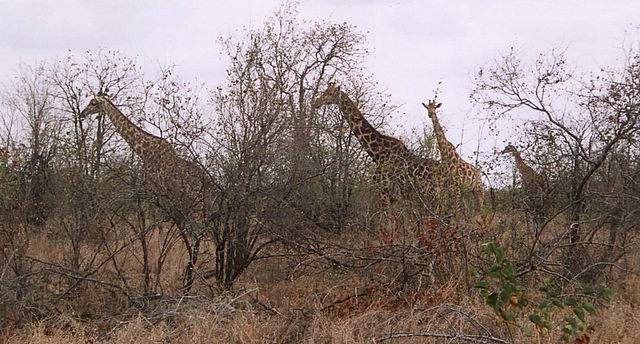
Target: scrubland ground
x=371 y=297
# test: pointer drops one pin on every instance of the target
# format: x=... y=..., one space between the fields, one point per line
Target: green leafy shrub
x=501 y=290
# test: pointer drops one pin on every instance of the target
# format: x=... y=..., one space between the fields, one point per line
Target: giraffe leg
x=383 y=181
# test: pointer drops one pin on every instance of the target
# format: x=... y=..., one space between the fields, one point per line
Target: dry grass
x=616 y=324
x=279 y=301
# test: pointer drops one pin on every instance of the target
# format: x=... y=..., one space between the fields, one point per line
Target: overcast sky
x=415 y=44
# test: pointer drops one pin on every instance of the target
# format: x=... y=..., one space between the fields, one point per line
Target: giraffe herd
x=451 y=177
x=394 y=161
x=178 y=183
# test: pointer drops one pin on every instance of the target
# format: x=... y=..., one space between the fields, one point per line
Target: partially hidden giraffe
x=177 y=184
x=534 y=184
x=532 y=181
x=394 y=161
x=461 y=176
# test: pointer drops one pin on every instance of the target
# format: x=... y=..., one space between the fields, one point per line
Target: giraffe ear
x=103 y=93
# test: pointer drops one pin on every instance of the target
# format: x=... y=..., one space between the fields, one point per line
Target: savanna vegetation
x=295 y=245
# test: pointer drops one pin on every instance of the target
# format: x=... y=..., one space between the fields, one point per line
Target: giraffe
x=178 y=186
x=394 y=161
x=532 y=181
x=171 y=178
x=460 y=174
x=534 y=184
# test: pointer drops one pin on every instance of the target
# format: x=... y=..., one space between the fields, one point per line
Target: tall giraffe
x=178 y=186
x=463 y=176
x=394 y=161
x=176 y=182
x=534 y=184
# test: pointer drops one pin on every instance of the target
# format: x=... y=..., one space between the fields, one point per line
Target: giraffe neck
x=448 y=153
x=139 y=140
x=520 y=164
x=373 y=142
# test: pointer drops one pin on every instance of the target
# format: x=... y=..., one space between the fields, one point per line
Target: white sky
x=415 y=44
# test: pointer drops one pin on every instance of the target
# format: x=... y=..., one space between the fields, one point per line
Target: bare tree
x=581 y=123
x=32 y=100
x=285 y=170
x=84 y=146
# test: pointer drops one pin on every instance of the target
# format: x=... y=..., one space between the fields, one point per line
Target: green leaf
x=524 y=300
x=488 y=248
x=509 y=316
x=570 y=301
x=500 y=257
x=605 y=292
x=508 y=271
x=492 y=300
x=549 y=288
x=571 y=321
x=495 y=274
x=504 y=298
x=589 y=307
x=535 y=318
x=579 y=312
x=544 y=304
x=495 y=268
x=481 y=285
x=508 y=288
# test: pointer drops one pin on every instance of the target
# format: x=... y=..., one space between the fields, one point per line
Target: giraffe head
x=431 y=107
x=96 y=105
x=509 y=149
x=331 y=95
